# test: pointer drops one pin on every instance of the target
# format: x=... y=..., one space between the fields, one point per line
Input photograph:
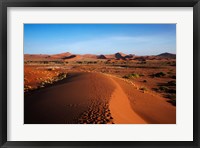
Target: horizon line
x=96 y=54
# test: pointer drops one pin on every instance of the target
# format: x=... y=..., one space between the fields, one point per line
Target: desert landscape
x=99 y=74
x=113 y=88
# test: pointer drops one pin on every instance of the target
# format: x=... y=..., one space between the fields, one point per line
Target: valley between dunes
x=97 y=98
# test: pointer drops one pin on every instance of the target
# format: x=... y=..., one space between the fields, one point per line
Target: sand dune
x=154 y=109
x=67 y=100
x=95 y=98
x=121 y=108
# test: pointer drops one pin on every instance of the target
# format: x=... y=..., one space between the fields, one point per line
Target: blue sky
x=139 y=39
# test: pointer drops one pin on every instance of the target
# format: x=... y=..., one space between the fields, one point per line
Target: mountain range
x=116 y=56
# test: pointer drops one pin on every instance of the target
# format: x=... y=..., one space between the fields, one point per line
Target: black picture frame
x=4 y=4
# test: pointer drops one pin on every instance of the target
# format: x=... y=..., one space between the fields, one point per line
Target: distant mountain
x=130 y=56
x=61 y=55
x=167 y=55
x=69 y=57
x=102 y=56
x=120 y=55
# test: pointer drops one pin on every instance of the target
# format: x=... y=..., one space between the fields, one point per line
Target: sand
x=68 y=100
x=121 y=110
x=89 y=97
x=152 y=108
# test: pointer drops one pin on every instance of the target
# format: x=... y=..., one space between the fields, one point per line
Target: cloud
x=130 y=38
x=109 y=41
x=115 y=43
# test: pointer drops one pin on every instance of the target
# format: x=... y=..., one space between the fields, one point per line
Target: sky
x=138 y=39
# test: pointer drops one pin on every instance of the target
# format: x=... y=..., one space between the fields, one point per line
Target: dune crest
x=121 y=110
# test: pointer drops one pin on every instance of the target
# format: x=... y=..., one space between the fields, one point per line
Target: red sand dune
x=73 y=58
x=66 y=100
x=93 y=56
x=121 y=108
x=61 y=55
x=152 y=108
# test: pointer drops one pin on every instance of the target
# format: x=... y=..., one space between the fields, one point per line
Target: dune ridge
x=121 y=109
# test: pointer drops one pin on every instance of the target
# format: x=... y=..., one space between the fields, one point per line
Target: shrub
x=173 y=77
x=45 y=62
x=169 y=72
x=62 y=76
x=159 y=74
x=163 y=88
x=166 y=89
x=156 y=89
x=134 y=75
x=171 y=96
x=79 y=62
x=143 y=62
x=50 y=69
x=126 y=77
x=143 y=88
x=173 y=64
x=173 y=102
x=172 y=83
x=171 y=91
